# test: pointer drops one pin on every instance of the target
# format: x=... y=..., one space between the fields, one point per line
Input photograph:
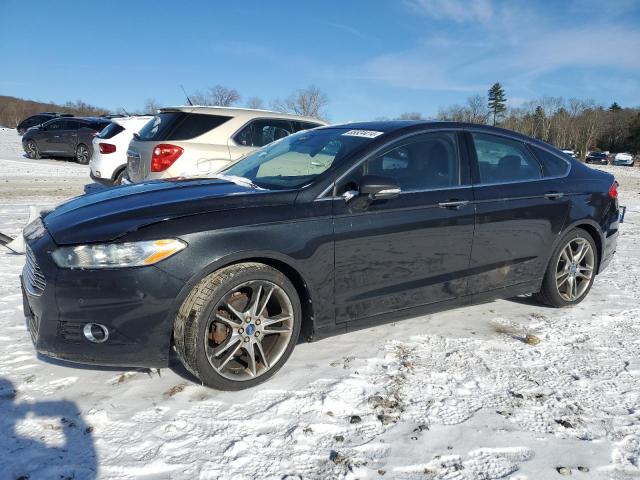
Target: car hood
x=111 y=213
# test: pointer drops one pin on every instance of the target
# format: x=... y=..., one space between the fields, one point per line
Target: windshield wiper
x=242 y=181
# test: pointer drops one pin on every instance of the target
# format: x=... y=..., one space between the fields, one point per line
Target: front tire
x=82 y=154
x=32 y=150
x=571 y=270
x=238 y=326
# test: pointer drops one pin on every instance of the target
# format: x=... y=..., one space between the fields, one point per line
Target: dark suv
x=38 y=119
x=64 y=137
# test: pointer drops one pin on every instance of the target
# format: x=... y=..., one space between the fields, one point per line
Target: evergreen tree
x=615 y=107
x=497 y=101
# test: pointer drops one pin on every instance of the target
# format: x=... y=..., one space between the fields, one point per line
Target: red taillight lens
x=613 y=190
x=107 y=147
x=164 y=155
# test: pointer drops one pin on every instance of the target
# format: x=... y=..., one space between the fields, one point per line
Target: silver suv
x=193 y=140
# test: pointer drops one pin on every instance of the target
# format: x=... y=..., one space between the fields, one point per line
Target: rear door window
x=503 y=160
x=53 y=125
x=261 y=132
x=179 y=126
x=72 y=125
x=552 y=165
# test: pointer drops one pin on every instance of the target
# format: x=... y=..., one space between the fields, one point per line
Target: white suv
x=193 y=140
x=109 y=160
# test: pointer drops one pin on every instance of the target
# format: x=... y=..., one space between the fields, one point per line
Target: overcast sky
x=373 y=59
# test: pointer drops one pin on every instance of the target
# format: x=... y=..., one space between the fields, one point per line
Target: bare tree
x=223 y=97
x=151 y=105
x=218 y=95
x=474 y=111
x=255 y=103
x=477 y=110
x=309 y=102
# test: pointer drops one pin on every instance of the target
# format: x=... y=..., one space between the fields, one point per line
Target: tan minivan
x=195 y=140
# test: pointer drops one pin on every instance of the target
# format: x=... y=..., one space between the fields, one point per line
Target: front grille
x=34 y=280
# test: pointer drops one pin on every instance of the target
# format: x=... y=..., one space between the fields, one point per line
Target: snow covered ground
x=455 y=395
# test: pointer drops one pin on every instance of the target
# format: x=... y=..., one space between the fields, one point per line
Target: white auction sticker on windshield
x=363 y=133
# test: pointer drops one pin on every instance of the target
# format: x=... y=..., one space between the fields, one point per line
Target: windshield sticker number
x=362 y=133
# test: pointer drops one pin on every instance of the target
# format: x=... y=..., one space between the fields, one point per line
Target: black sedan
x=64 y=137
x=600 y=158
x=320 y=233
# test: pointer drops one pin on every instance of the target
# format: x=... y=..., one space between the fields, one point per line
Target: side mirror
x=378 y=187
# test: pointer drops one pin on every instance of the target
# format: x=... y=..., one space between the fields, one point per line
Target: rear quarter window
x=179 y=126
x=552 y=165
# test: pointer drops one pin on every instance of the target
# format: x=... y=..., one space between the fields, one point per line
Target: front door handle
x=553 y=195
x=454 y=204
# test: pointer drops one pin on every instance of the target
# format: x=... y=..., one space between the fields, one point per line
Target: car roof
x=132 y=119
x=238 y=112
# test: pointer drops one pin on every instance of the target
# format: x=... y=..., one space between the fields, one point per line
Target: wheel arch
x=593 y=229
x=283 y=265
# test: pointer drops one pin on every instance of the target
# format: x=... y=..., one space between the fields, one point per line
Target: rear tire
x=119 y=177
x=32 y=150
x=238 y=326
x=571 y=270
x=82 y=154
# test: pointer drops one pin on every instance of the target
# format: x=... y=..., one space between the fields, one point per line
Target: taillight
x=613 y=190
x=164 y=155
x=107 y=147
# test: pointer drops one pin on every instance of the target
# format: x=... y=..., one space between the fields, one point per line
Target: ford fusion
x=322 y=232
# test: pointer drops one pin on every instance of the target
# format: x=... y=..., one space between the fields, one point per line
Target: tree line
x=580 y=125
x=309 y=102
x=13 y=110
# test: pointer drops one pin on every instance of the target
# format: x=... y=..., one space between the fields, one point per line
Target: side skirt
x=506 y=292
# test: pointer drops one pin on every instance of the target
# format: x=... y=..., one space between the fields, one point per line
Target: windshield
x=294 y=161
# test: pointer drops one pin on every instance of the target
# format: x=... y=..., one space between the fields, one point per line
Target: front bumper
x=137 y=305
x=623 y=163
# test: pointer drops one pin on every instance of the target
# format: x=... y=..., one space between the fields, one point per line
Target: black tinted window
x=552 y=165
x=262 y=132
x=110 y=131
x=504 y=160
x=73 y=125
x=179 y=126
x=425 y=162
x=53 y=125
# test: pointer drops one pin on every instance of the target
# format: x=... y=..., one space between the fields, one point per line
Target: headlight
x=117 y=255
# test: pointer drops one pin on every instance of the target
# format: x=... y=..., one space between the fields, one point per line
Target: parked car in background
x=38 y=119
x=64 y=137
x=323 y=232
x=570 y=152
x=188 y=141
x=623 y=159
x=601 y=158
x=109 y=160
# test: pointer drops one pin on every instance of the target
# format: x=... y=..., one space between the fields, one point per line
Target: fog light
x=95 y=333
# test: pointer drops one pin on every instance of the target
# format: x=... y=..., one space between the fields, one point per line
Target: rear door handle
x=553 y=195
x=454 y=204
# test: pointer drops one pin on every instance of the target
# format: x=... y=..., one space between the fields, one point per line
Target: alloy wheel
x=82 y=154
x=249 y=330
x=575 y=269
x=32 y=149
